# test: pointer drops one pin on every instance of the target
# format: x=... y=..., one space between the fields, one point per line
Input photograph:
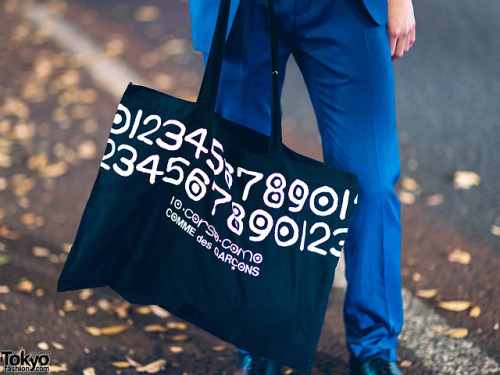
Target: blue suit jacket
x=204 y=16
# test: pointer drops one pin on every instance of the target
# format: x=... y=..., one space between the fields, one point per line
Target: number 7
x=257 y=176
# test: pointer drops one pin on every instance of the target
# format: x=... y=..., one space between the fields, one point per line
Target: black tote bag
x=220 y=225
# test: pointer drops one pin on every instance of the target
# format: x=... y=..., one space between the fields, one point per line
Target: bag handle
x=210 y=83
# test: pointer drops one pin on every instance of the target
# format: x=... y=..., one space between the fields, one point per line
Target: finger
x=392 y=42
x=399 y=50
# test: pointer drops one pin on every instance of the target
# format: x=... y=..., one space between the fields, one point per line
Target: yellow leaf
x=176 y=325
x=41 y=252
x=218 y=348
x=176 y=349
x=406 y=197
x=143 y=310
x=495 y=230
x=154 y=328
x=94 y=331
x=426 y=293
x=434 y=200
x=457 y=332
x=87 y=150
x=89 y=371
x=466 y=179
x=58 y=368
x=454 y=305
x=121 y=364
x=43 y=345
x=416 y=277
x=459 y=256
x=153 y=367
x=113 y=330
x=475 y=312
x=158 y=311
x=147 y=13
x=179 y=337
x=85 y=294
x=54 y=170
x=4 y=289
x=57 y=345
x=25 y=286
x=410 y=184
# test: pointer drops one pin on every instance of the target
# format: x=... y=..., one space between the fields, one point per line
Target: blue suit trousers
x=345 y=59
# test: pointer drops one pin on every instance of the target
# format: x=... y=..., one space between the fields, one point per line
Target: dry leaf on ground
x=459 y=256
x=475 y=312
x=457 y=332
x=465 y=179
x=426 y=293
x=454 y=305
x=153 y=367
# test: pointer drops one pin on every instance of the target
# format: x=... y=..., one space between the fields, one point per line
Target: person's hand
x=400 y=27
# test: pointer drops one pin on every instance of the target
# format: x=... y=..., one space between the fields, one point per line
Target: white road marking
x=442 y=354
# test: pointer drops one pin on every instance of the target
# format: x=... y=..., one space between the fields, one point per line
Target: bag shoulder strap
x=211 y=78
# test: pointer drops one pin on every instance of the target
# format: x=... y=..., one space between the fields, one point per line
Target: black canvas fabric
x=220 y=225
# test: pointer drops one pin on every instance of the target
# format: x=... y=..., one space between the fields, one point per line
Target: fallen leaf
x=475 y=312
x=4 y=259
x=143 y=310
x=454 y=305
x=104 y=304
x=41 y=252
x=54 y=170
x=495 y=230
x=457 y=332
x=113 y=330
x=416 y=277
x=153 y=367
x=426 y=293
x=405 y=364
x=177 y=325
x=434 y=200
x=459 y=256
x=3 y=307
x=176 y=349
x=85 y=294
x=179 y=338
x=94 y=331
x=147 y=13
x=406 y=197
x=66 y=247
x=158 y=311
x=29 y=330
x=91 y=310
x=89 y=371
x=121 y=364
x=122 y=309
x=57 y=345
x=465 y=179
x=25 y=286
x=43 y=345
x=58 y=368
x=409 y=184
x=70 y=306
x=154 y=328
x=39 y=292
x=132 y=362
x=4 y=289
x=9 y=234
x=218 y=348
x=496 y=326
x=87 y=150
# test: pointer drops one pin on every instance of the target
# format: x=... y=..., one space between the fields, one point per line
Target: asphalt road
x=58 y=97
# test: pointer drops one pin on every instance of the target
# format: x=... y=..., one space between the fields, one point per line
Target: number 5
x=178 y=169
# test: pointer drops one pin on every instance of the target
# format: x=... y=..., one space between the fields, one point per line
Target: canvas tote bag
x=222 y=226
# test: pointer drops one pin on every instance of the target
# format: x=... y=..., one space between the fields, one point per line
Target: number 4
x=190 y=138
x=153 y=171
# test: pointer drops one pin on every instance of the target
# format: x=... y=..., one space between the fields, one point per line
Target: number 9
x=298 y=194
x=261 y=223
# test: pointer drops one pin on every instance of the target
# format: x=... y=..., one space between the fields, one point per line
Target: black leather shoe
x=252 y=364
x=374 y=366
